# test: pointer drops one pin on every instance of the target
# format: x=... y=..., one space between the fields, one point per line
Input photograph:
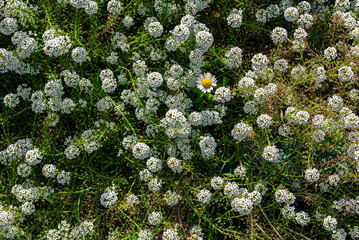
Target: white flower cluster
x=299 y=45
x=347 y=205
x=171 y=234
x=25 y=45
x=306 y=20
x=204 y=118
x=64 y=229
x=63 y=177
x=354 y=94
x=259 y=62
x=145 y=235
x=234 y=19
x=11 y=100
x=288 y=212
x=242 y=201
x=89 y=141
x=272 y=154
x=109 y=197
x=79 y=54
x=293 y=115
x=272 y=11
x=264 y=121
x=222 y=95
x=72 y=79
x=114 y=7
x=261 y=188
x=240 y=171
x=24 y=170
x=154 y=218
x=300 y=34
x=319 y=75
x=154 y=28
x=28 y=208
x=250 y=107
x=172 y=198
x=10 y=62
x=233 y=58
x=154 y=164
x=318 y=135
x=119 y=40
x=17 y=151
x=129 y=142
x=90 y=7
x=25 y=193
x=346 y=74
x=176 y=124
x=284 y=196
x=196 y=232
x=175 y=164
x=141 y=150
x=192 y=7
x=243 y=206
x=330 y=223
x=55 y=46
x=231 y=190
x=155 y=184
x=217 y=183
x=208 y=147
x=312 y=175
x=8 y=26
x=354 y=232
x=72 y=151
x=113 y=58
x=336 y=103
x=145 y=175
x=298 y=72
x=181 y=33
x=33 y=157
x=132 y=200
x=167 y=8
x=279 y=35
x=241 y=131
x=333 y=180
x=281 y=65
x=49 y=170
x=109 y=83
x=204 y=40
x=24 y=91
x=330 y=53
x=154 y=79
x=204 y=196
x=284 y=130
x=302 y=218
x=6 y=218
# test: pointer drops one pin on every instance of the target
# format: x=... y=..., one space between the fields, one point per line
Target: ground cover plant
x=198 y=119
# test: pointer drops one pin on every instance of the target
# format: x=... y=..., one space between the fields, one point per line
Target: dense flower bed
x=173 y=120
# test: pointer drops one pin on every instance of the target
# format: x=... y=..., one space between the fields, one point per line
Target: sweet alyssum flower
x=206 y=82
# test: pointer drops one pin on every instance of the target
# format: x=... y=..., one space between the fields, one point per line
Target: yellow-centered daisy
x=206 y=82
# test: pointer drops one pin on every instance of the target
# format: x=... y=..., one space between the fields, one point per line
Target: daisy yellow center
x=206 y=82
